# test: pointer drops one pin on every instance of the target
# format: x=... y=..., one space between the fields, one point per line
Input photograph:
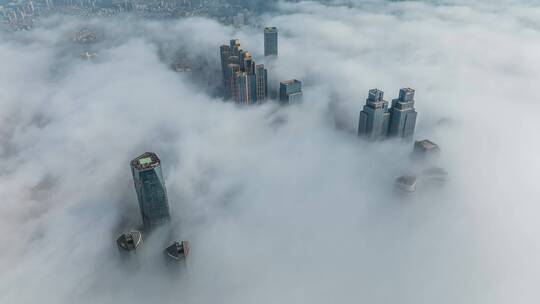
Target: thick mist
x=280 y=204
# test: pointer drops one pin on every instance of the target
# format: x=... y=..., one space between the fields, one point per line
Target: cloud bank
x=280 y=204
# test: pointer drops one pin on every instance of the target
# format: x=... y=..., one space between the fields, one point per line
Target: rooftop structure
x=425 y=148
x=88 y=55
x=85 y=35
x=406 y=183
x=145 y=161
x=129 y=241
x=178 y=250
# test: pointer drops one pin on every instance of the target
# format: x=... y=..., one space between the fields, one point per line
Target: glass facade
x=270 y=41
x=290 y=91
x=150 y=188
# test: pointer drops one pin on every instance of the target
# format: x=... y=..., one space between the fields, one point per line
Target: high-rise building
x=261 y=78
x=403 y=115
x=243 y=88
x=230 y=88
x=270 y=41
x=406 y=183
x=378 y=122
x=225 y=52
x=249 y=64
x=150 y=188
x=374 y=118
x=290 y=91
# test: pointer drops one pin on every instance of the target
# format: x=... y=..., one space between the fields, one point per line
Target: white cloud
x=300 y=212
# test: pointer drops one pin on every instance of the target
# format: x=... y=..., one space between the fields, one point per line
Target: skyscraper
x=225 y=52
x=261 y=79
x=270 y=41
x=374 y=118
x=243 y=88
x=290 y=91
x=403 y=115
x=230 y=75
x=150 y=188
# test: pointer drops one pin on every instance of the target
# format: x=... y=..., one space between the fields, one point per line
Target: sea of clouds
x=280 y=204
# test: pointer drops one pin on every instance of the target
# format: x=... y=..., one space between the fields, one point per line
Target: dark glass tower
x=270 y=41
x=150 y=188
x=290 y=91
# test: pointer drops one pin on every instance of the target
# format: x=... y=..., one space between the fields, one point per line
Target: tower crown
x=406 y=95
x=375 y=95
x=145 y=161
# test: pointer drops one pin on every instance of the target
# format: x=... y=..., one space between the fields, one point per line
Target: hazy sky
x=280 y=204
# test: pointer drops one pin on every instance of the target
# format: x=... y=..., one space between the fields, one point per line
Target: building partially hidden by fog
x=425 y=149
x=290 y=91
x=403 y=115
x=374 y=117
x=435 y=176
x=406 y=183
x=129 y=241
x=377 y=121
x=150 y=188
x=270 y=41
x=178 y=251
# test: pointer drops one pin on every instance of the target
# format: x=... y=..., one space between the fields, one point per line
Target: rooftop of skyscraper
x=178 y=250
x=270 y=29
x=290 y=81
x=145 y=161
x=129 y=241
x=426 y=144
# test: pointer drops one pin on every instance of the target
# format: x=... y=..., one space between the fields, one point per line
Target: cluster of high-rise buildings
x=246 y=82
x=379 y=121
x=21 y=14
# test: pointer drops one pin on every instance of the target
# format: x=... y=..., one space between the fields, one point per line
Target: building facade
x=374 y=117
x=270 y=41
x=261 y=80
x=378 y=122
x=403 y=115
x=151 y=191
x=290 y=91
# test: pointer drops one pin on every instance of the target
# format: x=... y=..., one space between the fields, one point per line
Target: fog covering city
x=280 y=204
